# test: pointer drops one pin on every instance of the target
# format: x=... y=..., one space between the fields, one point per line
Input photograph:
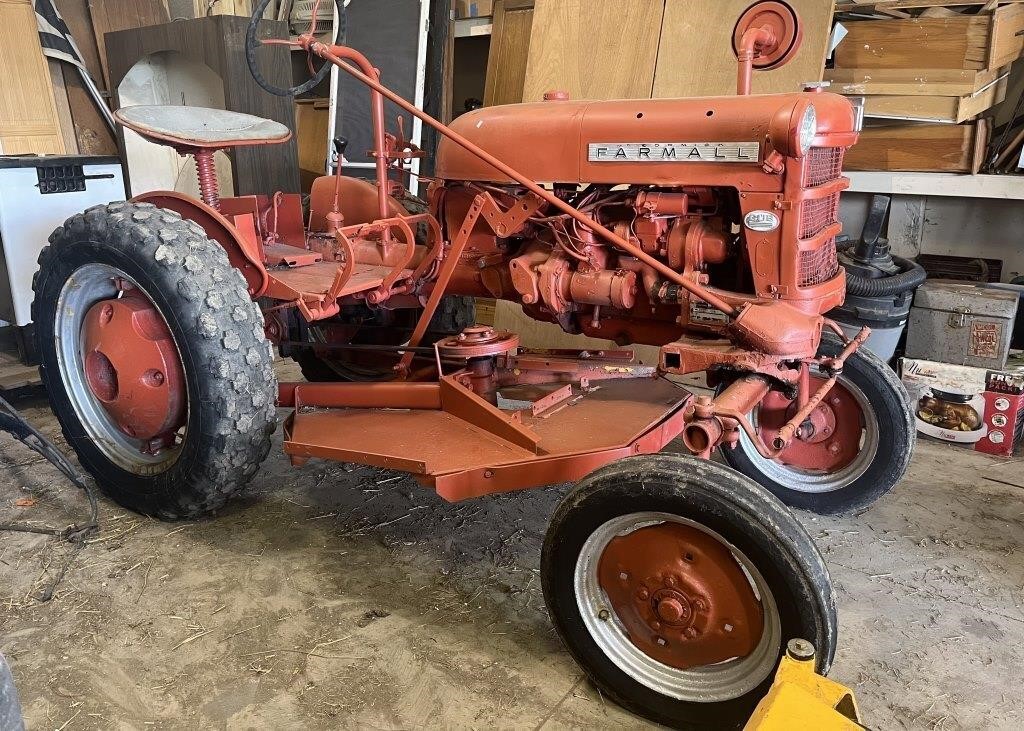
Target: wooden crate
x=901 y=82
x=947 y=148
x=987 y=40
x=952 y=109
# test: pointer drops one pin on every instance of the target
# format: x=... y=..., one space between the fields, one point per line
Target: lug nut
x=661 y=641
x=623 y=575
x=691 y=632
x=799 y=649
x=643 y=593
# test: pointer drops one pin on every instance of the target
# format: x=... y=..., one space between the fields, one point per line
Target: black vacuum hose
x=252 y=43
x=911 y=276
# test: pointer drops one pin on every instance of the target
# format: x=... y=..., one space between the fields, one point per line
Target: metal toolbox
x=955 y=322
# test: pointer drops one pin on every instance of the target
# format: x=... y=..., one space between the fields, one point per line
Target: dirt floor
x=344 y=597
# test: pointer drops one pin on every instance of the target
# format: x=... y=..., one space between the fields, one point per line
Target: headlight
x=808 y=129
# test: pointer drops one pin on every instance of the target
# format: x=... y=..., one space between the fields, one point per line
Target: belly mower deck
x=449 y=437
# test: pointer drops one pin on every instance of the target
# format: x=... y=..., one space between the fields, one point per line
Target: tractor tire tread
x=757 y=523
x=239 y=386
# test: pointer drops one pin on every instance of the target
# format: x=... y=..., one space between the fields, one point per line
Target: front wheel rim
x=817 y=481
x=609 y=623
x=90 y=378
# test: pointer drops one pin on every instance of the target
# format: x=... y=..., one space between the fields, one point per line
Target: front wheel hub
x=830 y=438
x=680 y=595
x=132 y=367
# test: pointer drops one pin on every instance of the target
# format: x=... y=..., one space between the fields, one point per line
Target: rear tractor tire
x=155 y=359
x=676 y=584
x=860 y=446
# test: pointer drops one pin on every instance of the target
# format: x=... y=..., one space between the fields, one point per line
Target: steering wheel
x=252 y=42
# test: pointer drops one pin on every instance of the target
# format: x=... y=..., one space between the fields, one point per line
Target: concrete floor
x=345 y=597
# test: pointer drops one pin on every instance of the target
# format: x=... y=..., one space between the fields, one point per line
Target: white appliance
x=37 y=194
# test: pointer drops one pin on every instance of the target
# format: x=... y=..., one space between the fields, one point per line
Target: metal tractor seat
x=200 y=131
x=201 y=127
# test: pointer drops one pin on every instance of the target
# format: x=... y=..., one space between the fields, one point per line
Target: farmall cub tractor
x=703 y=226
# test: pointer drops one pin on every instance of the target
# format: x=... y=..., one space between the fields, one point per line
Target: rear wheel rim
x=609 y=622
x=90 y=379
x=799 y=479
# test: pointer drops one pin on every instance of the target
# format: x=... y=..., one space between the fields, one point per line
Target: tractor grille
x=818 y=265
x=823 y=165
x=818 y=214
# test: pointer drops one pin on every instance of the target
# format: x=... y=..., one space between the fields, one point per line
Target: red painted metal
x=244 y=251
x=827 y=440
x=132 y=367
x=680 y=595
x=478 y=341
x=618 y=250
x=206 y=170
x=767 y=35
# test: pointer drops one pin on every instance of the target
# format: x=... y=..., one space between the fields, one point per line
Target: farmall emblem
x=748 y=152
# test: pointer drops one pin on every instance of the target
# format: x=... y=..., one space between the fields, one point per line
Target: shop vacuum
x=879 y=286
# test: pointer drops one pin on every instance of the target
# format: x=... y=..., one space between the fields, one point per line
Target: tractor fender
x=242 y=247
x=357 y=200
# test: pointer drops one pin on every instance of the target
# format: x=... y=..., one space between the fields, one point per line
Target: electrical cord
x=14 y=424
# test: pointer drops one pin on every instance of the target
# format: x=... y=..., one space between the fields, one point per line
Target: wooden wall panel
x=218 y=42
x=696 y=57
x=93 y=135
x=510 y=51
x=114 y=15
x=28 y=114
x=594 y=49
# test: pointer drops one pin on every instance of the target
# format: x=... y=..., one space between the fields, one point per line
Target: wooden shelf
x=467 y=27
x=1005 y=187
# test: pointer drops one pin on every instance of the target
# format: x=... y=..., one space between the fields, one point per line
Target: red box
x=1004 y=414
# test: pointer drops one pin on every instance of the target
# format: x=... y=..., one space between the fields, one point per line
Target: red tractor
x=703 y=226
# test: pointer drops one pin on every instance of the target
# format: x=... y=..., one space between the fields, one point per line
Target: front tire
x=872 y=453
x=675 y=583
x=212 y=391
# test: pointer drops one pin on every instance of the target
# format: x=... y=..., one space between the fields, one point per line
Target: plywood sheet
x=28 y=114
x=509 y=52
x=113 y=15
x=593 y=49
x=696 y=56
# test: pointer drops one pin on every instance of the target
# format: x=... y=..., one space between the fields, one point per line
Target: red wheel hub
x=133 y=368
x=680 y=595
x=829 y=439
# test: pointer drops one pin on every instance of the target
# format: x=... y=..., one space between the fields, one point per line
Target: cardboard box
x=954 y=402
x=1004 y=414
x=473 y=8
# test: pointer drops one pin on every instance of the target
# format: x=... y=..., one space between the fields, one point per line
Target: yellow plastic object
x=802 y=699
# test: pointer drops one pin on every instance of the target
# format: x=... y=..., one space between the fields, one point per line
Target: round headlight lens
x=808 y=129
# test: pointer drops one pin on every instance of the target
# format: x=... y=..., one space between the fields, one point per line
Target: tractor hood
x=642 y=141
